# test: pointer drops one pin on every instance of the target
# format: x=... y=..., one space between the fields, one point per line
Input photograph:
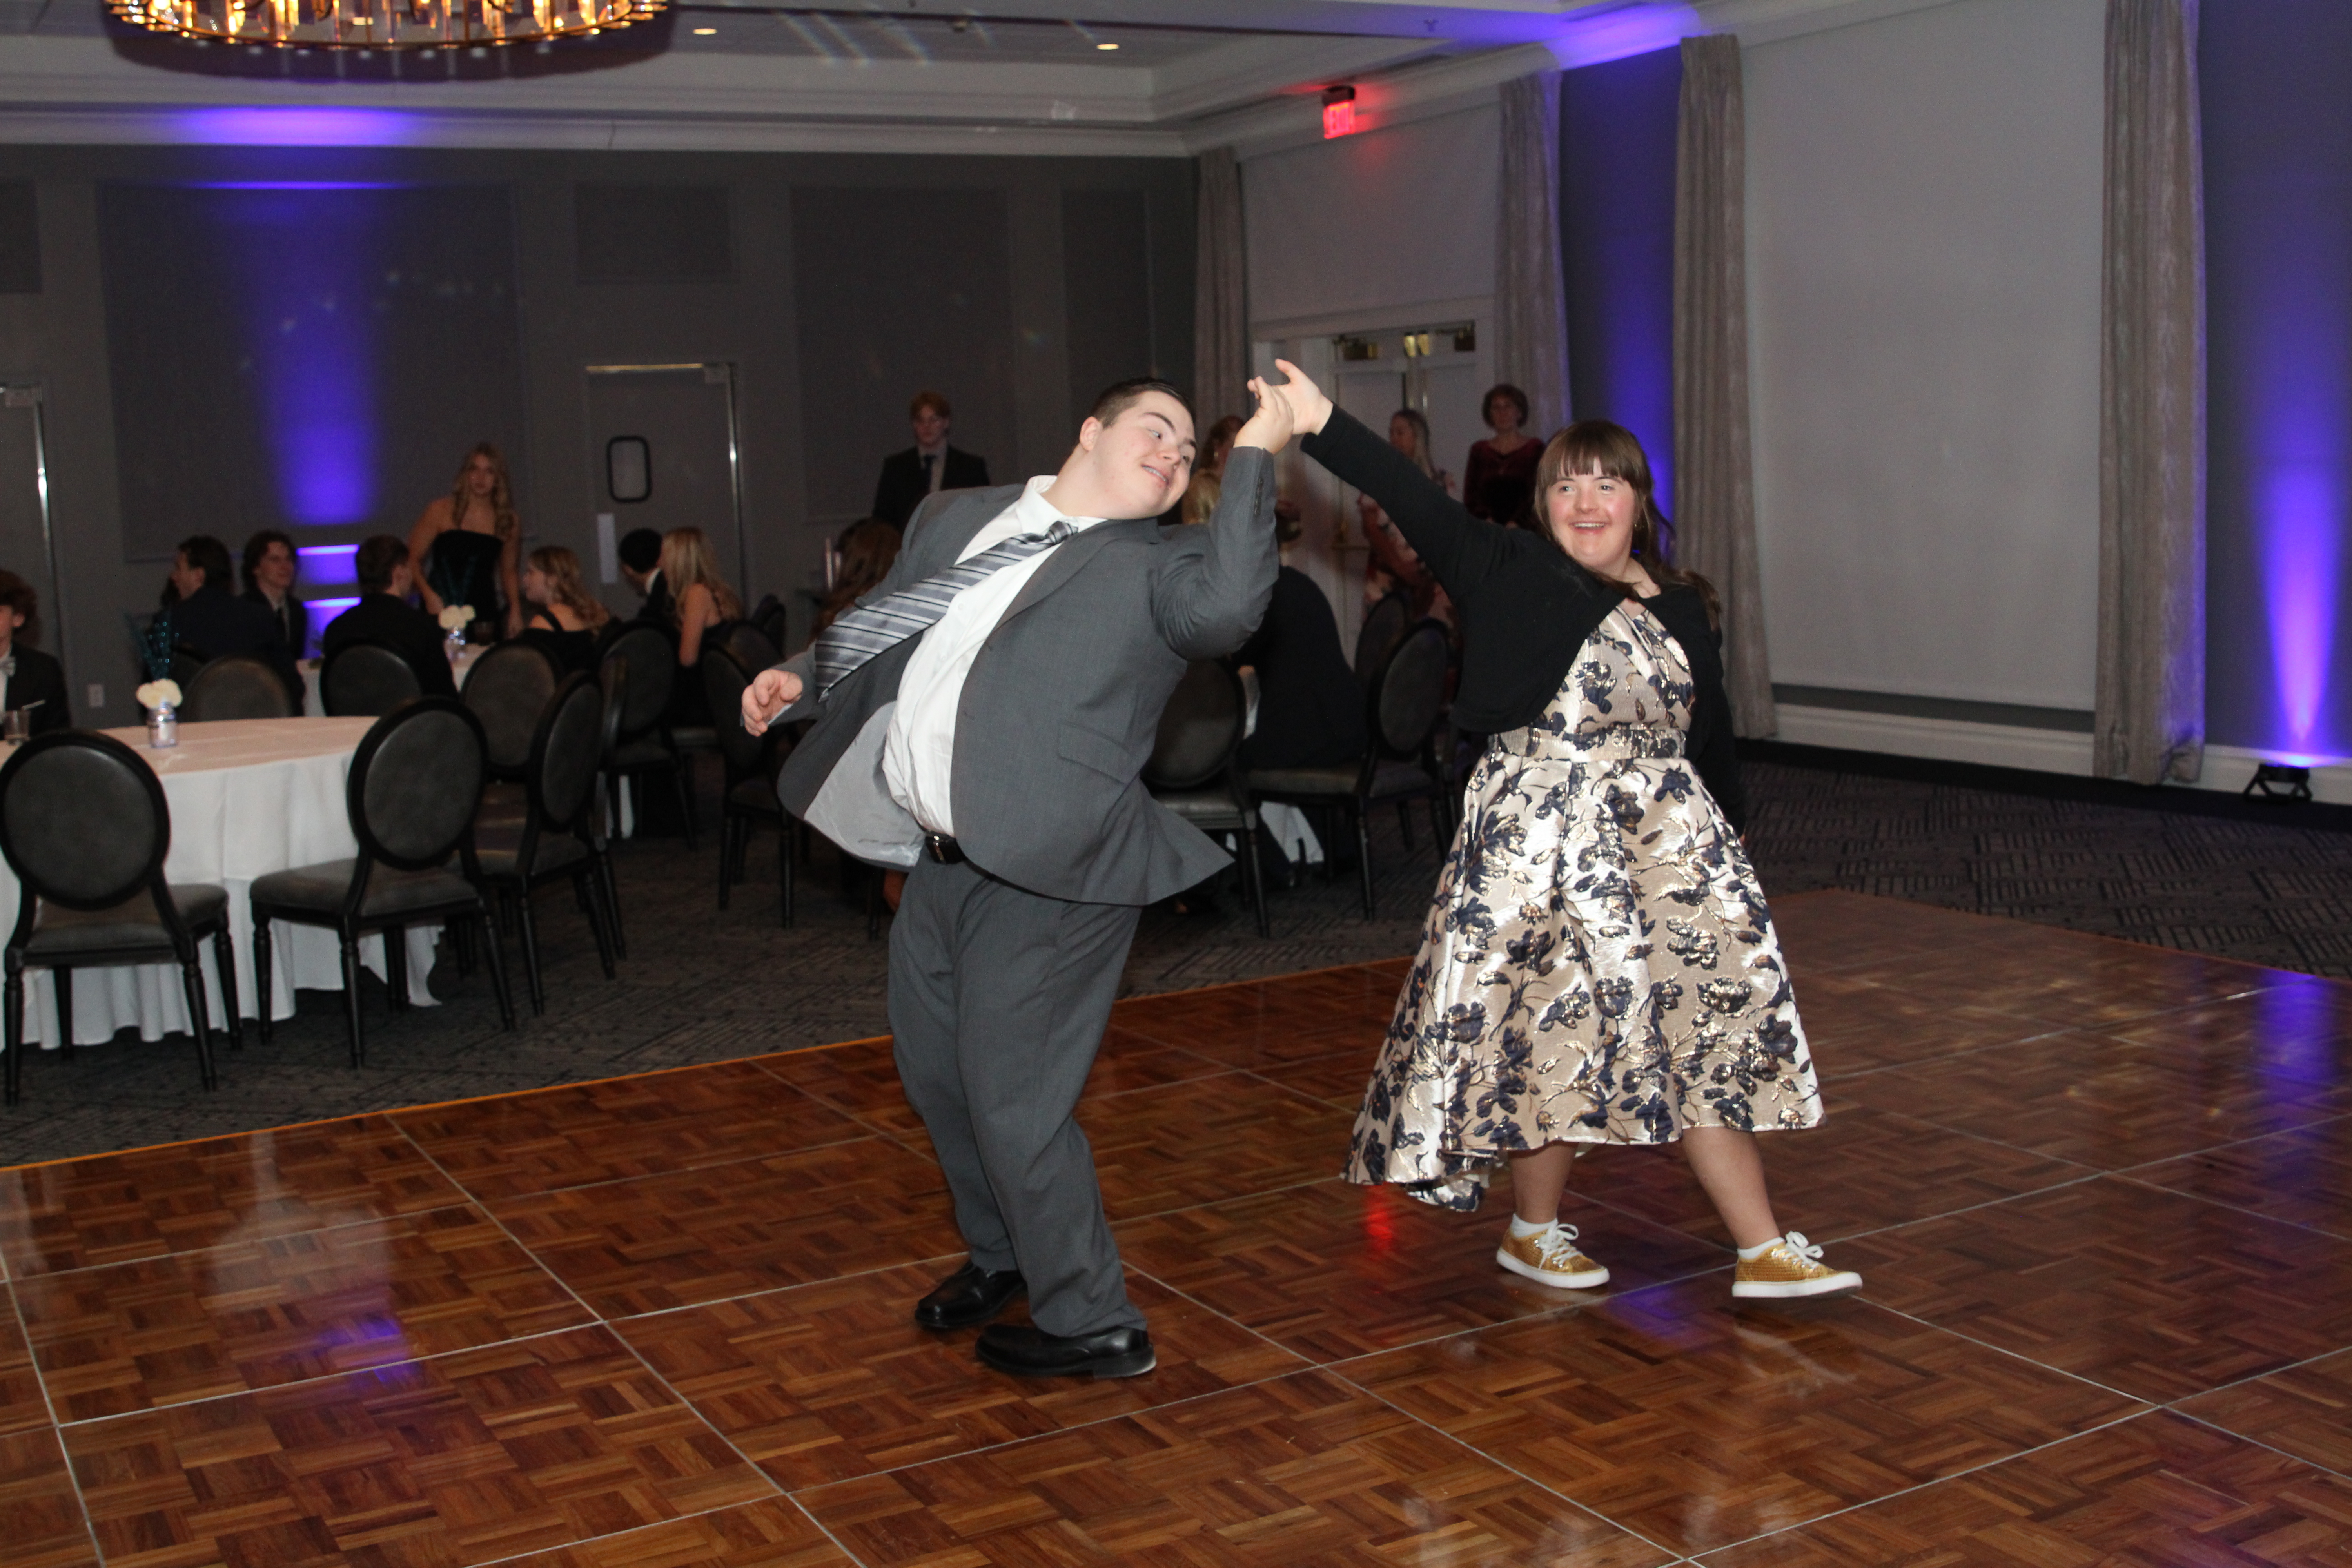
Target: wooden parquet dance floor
x=2102 y=1194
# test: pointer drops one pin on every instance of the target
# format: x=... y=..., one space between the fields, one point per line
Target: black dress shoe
x=970 y=1295
x=1027 y=1352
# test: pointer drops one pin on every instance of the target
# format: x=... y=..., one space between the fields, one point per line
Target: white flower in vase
x=158 y=694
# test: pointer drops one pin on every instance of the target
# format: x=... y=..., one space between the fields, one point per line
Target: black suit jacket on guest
x=904 y=484
x=214 y=623
x=293 y=618
x=399 y=626
x=1310 y=706
x=42 y=679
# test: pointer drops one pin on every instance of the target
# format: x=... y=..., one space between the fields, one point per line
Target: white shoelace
x=1557 y=1248
x=1796 y=1244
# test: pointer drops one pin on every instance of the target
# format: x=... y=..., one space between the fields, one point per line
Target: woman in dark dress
x=466 y=547
x=28 y=676
x=1598 y=964
x=1499 y=483
x=564 y=617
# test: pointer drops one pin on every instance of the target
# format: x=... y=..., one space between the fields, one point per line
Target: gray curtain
x=1715 y=499
x=1531 y=305
x=2150 y=707
x=1221 y=366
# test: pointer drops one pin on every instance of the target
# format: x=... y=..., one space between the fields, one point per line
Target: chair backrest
x=1199 y=729
x=612 y=679
x=507 y=691
x=186 y=664
x=366 y=680
x=83 y=821
x=723 y=680
x=752 y=649
x=1411 y=695
x=236 y=686
x=772 y=618
x=415 y=782
x=651 y=668
x=1384 y=627
x=566 y=749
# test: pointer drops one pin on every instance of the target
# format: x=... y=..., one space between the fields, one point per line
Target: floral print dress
x=1597 y=965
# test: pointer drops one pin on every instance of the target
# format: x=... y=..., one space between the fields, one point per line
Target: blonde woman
x=564 y=617
x=699 y=597
x=1394 y=567
x=466 y=547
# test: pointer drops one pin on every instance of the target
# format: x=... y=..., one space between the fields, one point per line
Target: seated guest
x=928 y=467
x=564 y=617
x=383 y=615
x=868 y=548
x=700 y=601
x=211 y=621
x=269 y=567
x=1310 y=707
x=1395 y=567
x=29 y=675
x=640 y=553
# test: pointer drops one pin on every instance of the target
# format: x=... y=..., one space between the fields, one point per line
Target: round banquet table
x=248 y=797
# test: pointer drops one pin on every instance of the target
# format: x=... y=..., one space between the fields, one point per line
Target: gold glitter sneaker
x=1550 y=1257
x=1792 y=1267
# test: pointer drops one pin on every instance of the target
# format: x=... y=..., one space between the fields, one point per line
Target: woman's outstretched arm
x=1458 y=548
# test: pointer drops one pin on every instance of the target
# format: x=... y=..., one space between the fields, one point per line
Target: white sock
x=1751 y=1254
x=1521 y=1229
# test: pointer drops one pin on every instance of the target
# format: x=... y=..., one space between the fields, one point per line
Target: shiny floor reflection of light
x=2099 y=1192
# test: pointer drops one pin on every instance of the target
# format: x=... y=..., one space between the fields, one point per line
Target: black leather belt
x=942 y=848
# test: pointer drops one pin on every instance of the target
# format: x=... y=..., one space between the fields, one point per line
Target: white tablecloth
x=248 y=797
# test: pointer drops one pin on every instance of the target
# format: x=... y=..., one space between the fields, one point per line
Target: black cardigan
x=1526 y=607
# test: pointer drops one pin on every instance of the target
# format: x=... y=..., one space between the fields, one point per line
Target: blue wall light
x=295 y=126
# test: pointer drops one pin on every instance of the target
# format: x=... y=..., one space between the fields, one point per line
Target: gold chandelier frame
x=383 y=24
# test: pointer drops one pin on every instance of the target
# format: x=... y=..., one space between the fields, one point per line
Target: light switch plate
x=97 y=694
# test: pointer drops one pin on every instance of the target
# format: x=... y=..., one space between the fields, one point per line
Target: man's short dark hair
x=259 y=546
x=1120 y=396
x=640 y=549
x=378 y=559
x=210 y=556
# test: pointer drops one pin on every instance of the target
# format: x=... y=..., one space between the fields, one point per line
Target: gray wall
x=1014 y=286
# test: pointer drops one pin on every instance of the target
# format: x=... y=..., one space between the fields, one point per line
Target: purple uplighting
x=2304 y=508
x=295 y=126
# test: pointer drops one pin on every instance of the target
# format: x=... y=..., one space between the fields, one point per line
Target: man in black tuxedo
x=927 y=467
x=383 y=615
x=270 y=566
x=213 y=621
x=640 y=552
x=29 y=675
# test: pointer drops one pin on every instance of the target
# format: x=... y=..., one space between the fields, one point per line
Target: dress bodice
x=463 y=568
x=1628 y=694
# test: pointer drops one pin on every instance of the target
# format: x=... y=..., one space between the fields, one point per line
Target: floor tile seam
x=674 y=1518
x=57 y=1431
x=2233 y=1208
x=1972 y=1209
x=2235 y=1436
x=617 y=1321
x=1294 y=1091
x=1955 y=1054
x=467 y=1201
x=2328 y=1120
x=1961 y=1474
x=2258 y=1376
x=1673 y=1555
x=861 y=1137
x=2019 y=1356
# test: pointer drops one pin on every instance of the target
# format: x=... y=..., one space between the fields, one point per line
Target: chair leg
x=1404 y=823
x=784 y=847
x=224 y=959
x=1256 y=876
x=351 y=997
x=12 y=1004
x=611 y=900
x=592 y=900
x=1437 y=830
x=497 y=956
x=61 y=980
x=1364 y=854
x=682 y=780
x=530 y=951
x=261 y=1001
x=729 y=826
x=461 y=942
x=192 y=979
x=395 y=966
x=873 y=904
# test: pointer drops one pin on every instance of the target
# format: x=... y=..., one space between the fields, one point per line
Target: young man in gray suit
x=982 y=719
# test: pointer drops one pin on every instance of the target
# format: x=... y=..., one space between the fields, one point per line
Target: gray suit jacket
x=1062 y=707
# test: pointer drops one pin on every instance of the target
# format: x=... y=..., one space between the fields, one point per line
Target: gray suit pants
x=998 y=1000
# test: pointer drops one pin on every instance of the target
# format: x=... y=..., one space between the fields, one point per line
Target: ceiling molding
x=1770 y=21
x=1445 y=86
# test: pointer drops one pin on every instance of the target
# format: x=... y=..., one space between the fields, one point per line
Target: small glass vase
x=453 y=643
x=163 y=727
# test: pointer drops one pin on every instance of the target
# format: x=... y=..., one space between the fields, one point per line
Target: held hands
x=771 y=692
x=1310 y=409
x=1269 y=428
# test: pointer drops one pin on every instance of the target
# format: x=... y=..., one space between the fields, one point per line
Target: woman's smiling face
x=1591 y=515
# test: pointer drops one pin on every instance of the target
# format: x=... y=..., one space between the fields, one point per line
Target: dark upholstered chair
x=1385 y=625
x=643 y=746
x=1192 y=771
x=554 y=839
x=611 y=681
x=236 y=686
x=415 y=782
x=1402 y=710
x=752 y=649
x=366 y=680
x=84 y=825
x=749 y=797
x=507 y=691
x=774 y=622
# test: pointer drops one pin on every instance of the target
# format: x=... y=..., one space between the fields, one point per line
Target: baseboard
x=2227 y=768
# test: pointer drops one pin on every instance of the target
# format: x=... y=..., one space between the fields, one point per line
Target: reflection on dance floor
x=2102 y=1194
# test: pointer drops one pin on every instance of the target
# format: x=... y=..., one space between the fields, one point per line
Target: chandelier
x=382 y=24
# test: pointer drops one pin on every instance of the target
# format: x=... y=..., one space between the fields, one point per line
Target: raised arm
x=1458 y=548
x=1208 y=605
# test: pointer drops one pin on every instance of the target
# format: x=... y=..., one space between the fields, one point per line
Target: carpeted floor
x=703 y=986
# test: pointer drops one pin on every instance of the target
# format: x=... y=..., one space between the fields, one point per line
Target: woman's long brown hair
x=502 y=511
x=562 y=570
x=687 y=559
x=1601 y=446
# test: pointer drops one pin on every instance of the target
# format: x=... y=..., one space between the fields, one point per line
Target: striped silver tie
x=863 y=632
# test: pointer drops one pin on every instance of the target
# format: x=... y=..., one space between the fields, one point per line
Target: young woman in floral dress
x=1599 y=965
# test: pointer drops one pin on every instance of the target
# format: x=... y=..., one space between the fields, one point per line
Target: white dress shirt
x=919 y=757
x=935 y=464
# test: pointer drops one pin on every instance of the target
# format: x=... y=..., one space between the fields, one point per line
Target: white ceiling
x=974 y=76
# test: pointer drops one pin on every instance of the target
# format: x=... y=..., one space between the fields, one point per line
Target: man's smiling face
x=1143 y=458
